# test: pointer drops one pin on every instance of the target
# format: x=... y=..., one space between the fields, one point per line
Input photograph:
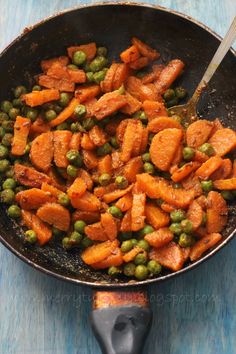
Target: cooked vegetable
x=21 y=132
x=41 y=151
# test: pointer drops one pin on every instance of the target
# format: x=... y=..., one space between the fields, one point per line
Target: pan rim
x=132 y=284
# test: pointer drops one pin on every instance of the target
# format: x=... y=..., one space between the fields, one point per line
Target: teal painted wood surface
x=193 y=314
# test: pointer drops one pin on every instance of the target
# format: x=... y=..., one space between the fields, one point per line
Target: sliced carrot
x=202 y=201
x=155 y=216
x=84 y=93
x=125 y=202
x=109 y=225
x=120 y=76
x=223 y=141
x=89 y=105
x=97 y=136
x=200 y=156
x=76 y=190
x=116 y=194
x=138 y=211
x=49 y=189
x=132 y=168
x=37 y=98
x=234 y=169
x=43 y=232
x=88 y=202
x=21 y=132
x=90 y=159
x=33 y=198
x=98 y=252
x=115 y=259
x=203 y=245
x=225 y=184
x=128 y=141
x=217 y=212
x=86 y=142
x=120 y=131
x=208 y=167
x=129 y=256
x=184 y=171
x=89 y=49
x=160 y=237
x=66 y=113
x=39 y=126
x=195 y=214
x=132 y=105
x=216 y=126
x=160 y=123
x=104 y=165
x=28 y=176
x=96 y=232
x=198 y=132
x=148 y=184
x=75 y=141
x=154 y=109
x=192 y=184
x=140 y=91
x=130 y=54
x=139 y=63
x=46 y=64
x=109 y=103
x=145 y=50
x=161 y=151
x=168 y=75
x=77 y=76
x=88 y=216
x=177 y=197
x=56 y=179
x=107 y=83
x=144 y=141
x=102 y=190
x=224 y=171
x=58 y=71
x=138 y=136
x=56 y=215
x=177 y=158
x=170 y=256
x=116 y=161
x=126 y=222
x=57 y=84
x=41 y=152
x=167 y=207
x=61 y=142
x=148 y=78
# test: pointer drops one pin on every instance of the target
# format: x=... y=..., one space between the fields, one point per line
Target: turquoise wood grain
x=193 y=314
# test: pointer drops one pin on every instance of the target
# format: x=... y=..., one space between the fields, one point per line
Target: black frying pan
x=121 y=316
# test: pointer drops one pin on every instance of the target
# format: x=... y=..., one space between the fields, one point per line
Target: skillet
x=121 y=316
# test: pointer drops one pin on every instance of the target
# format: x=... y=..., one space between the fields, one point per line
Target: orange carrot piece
x=224 y=171
x=57 y=84
x=125 y=202
x=76 y=190
x=66 y=113
x=21 y=132
x=89 y=49
x=148 y=184
x=140 y=91
x=58 y=71
x=198 y=132
x=202 y=201
x=168 y=75
x=144 y=141
x=160 y=237
x=128 y=141
x=109 y=103
x=56 y=179
x=102 y=190
x=129 y=256
x=37 y=98
x=208 y=167
x=225 y=184
x=148 y=78
x=126 y=222
x=109 y=226
x=167 y=207
x=120 y=131
x=145 y=50
x=56 y=215
x=203 y=245
x=132 y=105
x=192 y=183
x=116 y=160
x=195 y=214
x=130 y=54
x=138 y=136
x=86 y=142
x=43 y=232
x=104 y=165
x=116 y=194
x=177 y=197
x=139 y=63
x=89 y=105
x=99 y=252
x=39 y=126
x=160 y=123
x=223 y=141
x=28 y=176
x=177 y=158
x=217 y=212
x=87 y=216
x=49 y=189
x=216 y=126
x=132 y=168
x=87 y=92
x=97 y=136
x=46 y=64
x=107 y=83
x=234 y=169
x=96 y=232
x=155 y=216
x=120 y=76
x=115 y=259
x=161 y=151
x=77 y=76
x=85 y=176
x=170 y=256
x=75 y=142
x=184 y=171
x=88 y=202
x=138 y=211
x=90 y=159
x=200 y=156
x=154 y=109
x=41 y=152
x=33 y=198
x=61 y=142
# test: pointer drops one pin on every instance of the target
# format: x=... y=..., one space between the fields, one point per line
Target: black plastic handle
x=121 y=328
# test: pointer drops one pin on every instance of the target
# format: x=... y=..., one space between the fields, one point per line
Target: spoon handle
x=216 y=60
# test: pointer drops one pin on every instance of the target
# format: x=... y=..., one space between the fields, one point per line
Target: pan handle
x=121 y=321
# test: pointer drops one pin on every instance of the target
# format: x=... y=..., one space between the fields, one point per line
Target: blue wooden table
x=194 y=314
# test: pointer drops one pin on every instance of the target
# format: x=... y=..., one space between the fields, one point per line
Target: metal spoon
x=188 y=111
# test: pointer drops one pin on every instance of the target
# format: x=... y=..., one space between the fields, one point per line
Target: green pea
x=86 y=242
x=80 y=111
x=36 y=88
x=14 y=211
x=3 y=116
x=17 y=102
x=114 y=142
x=115 y=211
x=207 y=149
x=88 y=123
x=176 y=228
x=89 y=76
x=63 y=199
x=79 y=57
x=123 y=236
x=56 y=232
x=204 y=219
x=154 y=267
x=7 y=139
x=129 y=269
x=6 y=106
x=79 y=226
x=9 y=183
x=141 y=258
x=32 y=114
x=143 y=117
x=7 y=196
x=134 y=241
x=180 y=92
x=187 y=226
x=102 y=51
x=74 y=157
x=10 y=173
x=99 y=76
x=72 y=67
x=113 y=271
x=188 y=153
x=147 y=229
x=75 y=238
x=141 y=272
x=4 y=165
x=64 y=99
x=19 y=91
x=227 y=195
x=63 y=126
x=66 y=243
x=207 y=186
x=2 y=132
x=50 y=115
x=121 y=182
x=177 y=215
x=8 y=125
x=98 y=63
x=104 y=149
x=72 y=171
x=148 y=167
x=3 y=151
x=169 y=95
x=143 y=244
x=76 y=127
x=30 y=236
x=146 y=157
x=172 y=102
x=126 y=246
x=104 y=179
x=186 y=240
x=13 y=113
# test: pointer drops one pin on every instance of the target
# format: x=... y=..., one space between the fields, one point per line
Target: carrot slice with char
x=109 y=226
x=89 y=49
x=132 y=168
x=160 y=237
x=90 y=159
x=198 y=132
x=225 y=184
x=223 y=141
x=115 y=259
x=130 y=54
x=195 y=214
x=128 y=141
x=208 y=167
x=138 y=211
x=46 y=64
x=28 y=176
x=97 y=136
x=56 y=215
x=84 y=93
x=177 y=197
x=140 y=91
x=170 y=256
x=86 y=142
x=184 y=171
x=104 y=165
x=43 y=232
x=53 y=191
x=224 y=171
x=107 y=83
x=129 y=256
x=148 y=184
x=88 y=216
x=37 y=98
x=125 y=202
x=99 y=252
x=139 y=63
x=120 y=76
x=154 y=109
x=39 y=126
x=88 y=202
x=21 y=132
x=76 y=190
x=155 y=216
x=132 y=105
x=126 y=222
x=203 y=245
x=116 y=194
x=109 y=103
x=41 y=152
x=66 y=113
x=57 y=84
x=145 y=50
x=75 y=141
x=160 y=123
x=217 y=212
x=33 y=198
x=61 y=141
x=96 y=232
x=168 y=75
